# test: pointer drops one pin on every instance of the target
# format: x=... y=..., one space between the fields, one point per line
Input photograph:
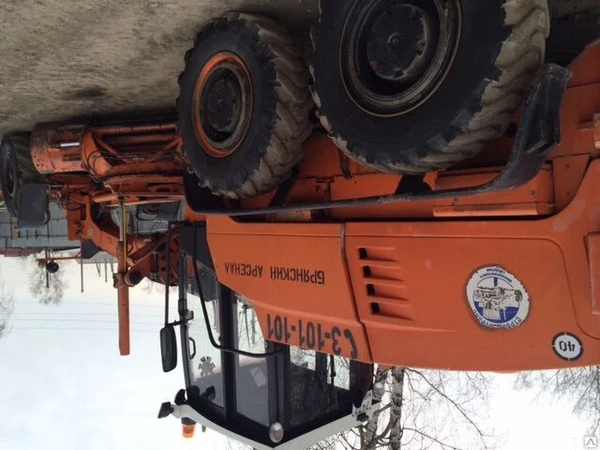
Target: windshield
x=318 y=385
x=245 y=383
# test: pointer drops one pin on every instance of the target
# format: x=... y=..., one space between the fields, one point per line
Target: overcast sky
x=64 y=386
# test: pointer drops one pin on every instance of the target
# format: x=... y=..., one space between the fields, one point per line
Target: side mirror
x=168 y=348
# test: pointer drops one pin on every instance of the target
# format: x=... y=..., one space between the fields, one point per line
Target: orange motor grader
x=439 y=210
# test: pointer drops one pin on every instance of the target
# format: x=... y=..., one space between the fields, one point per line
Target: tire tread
x=491 y=107
x=290 y=126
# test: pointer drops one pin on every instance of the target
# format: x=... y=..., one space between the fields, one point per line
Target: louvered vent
x=384 y=283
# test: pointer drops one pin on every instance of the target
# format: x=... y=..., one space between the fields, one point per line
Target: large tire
x=16 y=169
x=497 y=53
x=274 y=118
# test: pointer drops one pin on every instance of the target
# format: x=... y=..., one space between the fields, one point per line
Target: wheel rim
x=395 y=55
x=222 y=105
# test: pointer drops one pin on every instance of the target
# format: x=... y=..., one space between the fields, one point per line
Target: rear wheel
x=244 y=106
x=412 y=86
x=16 y=169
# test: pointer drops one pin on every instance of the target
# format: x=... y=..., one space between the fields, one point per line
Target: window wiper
x=243 y=316
x=245 y=309
x=332 y=374
x=253 y=326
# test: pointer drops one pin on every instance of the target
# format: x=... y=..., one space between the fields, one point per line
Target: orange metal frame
x=94 y=170
x=384 y=283
x=390 y=283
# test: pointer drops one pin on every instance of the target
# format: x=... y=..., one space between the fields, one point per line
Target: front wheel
x=412 y=86
x=244 y=106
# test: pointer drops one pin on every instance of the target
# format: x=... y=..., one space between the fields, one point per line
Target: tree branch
x=433 y=439
x=482 y=435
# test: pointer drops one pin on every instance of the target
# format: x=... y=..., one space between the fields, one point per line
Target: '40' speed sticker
x=497 y=298
x=567 y=346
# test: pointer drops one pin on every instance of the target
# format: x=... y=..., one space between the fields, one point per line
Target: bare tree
x=424 y=409
x=579 y=386
x=6 y=308
x=151 y=287
x=48 y=288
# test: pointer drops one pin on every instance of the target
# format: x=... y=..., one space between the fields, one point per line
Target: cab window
x=205 y=365
x=246 y=384
x=251 y=374
x=319 y=386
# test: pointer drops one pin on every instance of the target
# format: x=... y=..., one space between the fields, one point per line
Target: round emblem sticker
x=567 y=346
x=497 y=298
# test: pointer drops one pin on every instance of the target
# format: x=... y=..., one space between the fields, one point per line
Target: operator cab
x=260 y=393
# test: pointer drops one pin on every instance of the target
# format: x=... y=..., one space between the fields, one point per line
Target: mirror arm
x=181 y=322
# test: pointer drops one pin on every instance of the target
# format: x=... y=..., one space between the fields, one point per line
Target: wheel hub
x=401 y=44
x=222 y=104
x=223 y=108
x=395 y=54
